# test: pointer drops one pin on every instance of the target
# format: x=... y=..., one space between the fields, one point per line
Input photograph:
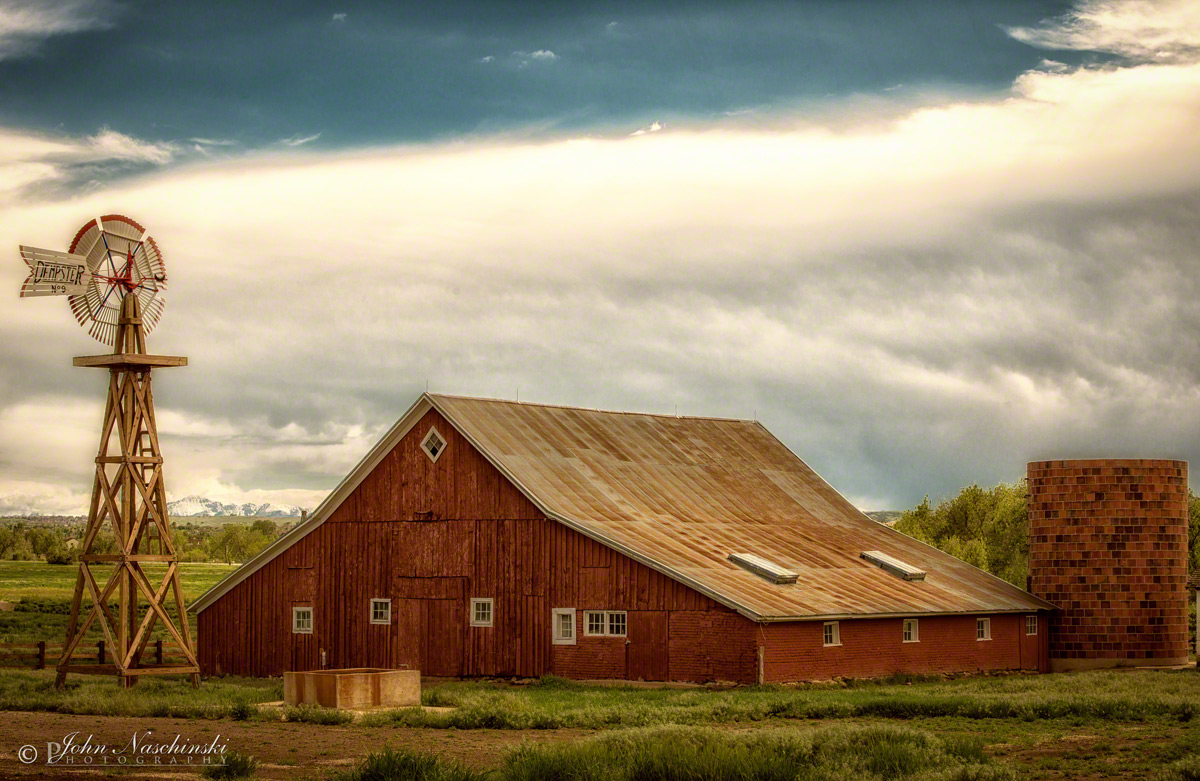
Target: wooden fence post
x=158 y=652
x=100 y=651
x=41 y=662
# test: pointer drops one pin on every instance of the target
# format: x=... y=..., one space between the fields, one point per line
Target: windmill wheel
x=123 y=259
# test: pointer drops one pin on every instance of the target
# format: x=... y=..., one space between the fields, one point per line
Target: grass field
x=42 y=593
x=37 y=579
x=1131 y=724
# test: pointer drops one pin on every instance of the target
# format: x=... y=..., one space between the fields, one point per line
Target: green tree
x=1193 y=533
x=985 y=527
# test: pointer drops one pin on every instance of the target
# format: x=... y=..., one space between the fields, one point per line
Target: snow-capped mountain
x=199 y=505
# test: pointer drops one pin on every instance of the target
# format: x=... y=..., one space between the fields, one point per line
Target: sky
x=923 y=243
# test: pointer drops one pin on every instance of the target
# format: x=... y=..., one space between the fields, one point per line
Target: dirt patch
x=286 y=750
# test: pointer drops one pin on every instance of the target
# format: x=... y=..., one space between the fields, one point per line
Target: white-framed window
x=911 y=632
x=832 y=633
x=481 y=611
x=562 y=625
x=381 y=611
x=434 y=444
x=302 y=620
x=983 y=629
x=605 y=623
x=1031 y=625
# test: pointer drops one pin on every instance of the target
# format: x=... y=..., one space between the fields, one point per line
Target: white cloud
x=299 y=140
x=26 y=23
x=1151 y=31
x=486 y=59
x=653 y=127
x=339 y=17
x=911 y=302
x=111 y=145
x=524 y=58
x=29 y=159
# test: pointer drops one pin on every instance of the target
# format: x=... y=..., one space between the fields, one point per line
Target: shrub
x=236 y=765
x=240 y=711
x=313 y=714
x=405 y=765
x=1186 y=769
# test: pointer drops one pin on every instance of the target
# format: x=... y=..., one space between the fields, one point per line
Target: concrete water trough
x=355 y=688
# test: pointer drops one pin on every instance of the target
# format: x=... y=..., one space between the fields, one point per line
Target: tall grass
x=152 y=696
x=1109 y=696
x=699 y=754
x=555 y=703
x=405 y=765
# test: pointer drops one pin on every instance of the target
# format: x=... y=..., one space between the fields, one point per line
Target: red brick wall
x=1108 y=545
x=874 y=647
x=713 y=646
x=590 y=657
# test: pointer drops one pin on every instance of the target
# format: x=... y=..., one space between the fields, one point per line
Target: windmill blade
x=110 y=258
x=54 y=273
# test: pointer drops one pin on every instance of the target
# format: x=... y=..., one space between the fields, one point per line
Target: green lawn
x=42 y=595
x=37 y=579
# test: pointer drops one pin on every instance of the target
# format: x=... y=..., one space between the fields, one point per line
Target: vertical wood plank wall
x=429 y=537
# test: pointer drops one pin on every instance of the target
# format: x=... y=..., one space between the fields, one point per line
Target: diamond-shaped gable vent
x=433 y=444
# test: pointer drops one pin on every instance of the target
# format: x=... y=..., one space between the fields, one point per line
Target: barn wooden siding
x=429 y=536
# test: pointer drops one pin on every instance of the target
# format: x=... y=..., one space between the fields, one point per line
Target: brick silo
x=1108 y=546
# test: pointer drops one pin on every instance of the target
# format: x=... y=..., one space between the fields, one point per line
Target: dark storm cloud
x=913 y=300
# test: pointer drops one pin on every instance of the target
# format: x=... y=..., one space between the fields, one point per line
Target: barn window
x=481 y=612
x=983 y=629
x=563 y=622
x=433 y=444
x=1031 y=625
x=616 y=623
x=302 y=620
x=595 y=623
x=833 y=633
x=381 y=611
x=911 y=633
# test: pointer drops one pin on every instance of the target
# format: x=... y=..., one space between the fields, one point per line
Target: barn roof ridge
x=718 y=418
x=680 y=501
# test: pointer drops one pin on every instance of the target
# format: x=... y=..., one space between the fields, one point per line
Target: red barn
x=496 y=538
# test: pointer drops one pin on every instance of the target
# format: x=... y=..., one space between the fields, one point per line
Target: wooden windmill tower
x=114 y=276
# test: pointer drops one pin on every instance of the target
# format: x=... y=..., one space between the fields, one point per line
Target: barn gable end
x=428 y=537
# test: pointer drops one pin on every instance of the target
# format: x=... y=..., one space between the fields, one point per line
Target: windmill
x=113 y=275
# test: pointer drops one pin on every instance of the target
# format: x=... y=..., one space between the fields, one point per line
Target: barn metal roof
x=680 y=494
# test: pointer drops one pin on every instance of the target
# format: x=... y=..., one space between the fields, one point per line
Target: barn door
x=646 y=653
x=442 y=649
x=408 y=625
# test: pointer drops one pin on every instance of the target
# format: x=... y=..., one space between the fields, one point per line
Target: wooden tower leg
x=132 y=501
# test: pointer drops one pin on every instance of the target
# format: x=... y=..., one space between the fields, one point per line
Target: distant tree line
x=988 y=527
x=230 y=543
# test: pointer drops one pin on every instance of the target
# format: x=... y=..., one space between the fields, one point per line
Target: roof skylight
x=767 y=570
x=893 y=565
